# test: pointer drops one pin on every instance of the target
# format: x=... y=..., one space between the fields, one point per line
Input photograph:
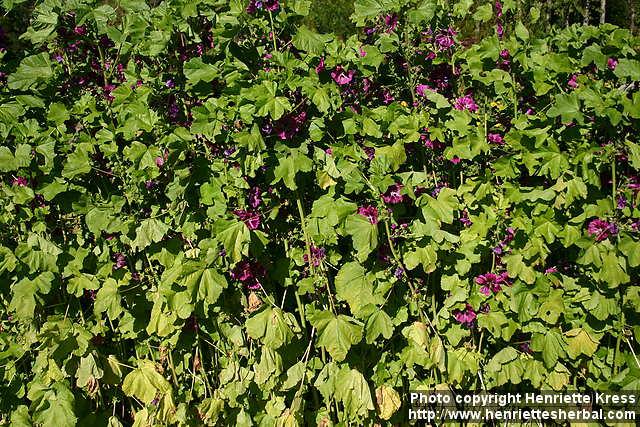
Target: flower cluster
x=602 y=229
x=369 y=212
x=491 y=282
x=249 y=273
x=465 y=317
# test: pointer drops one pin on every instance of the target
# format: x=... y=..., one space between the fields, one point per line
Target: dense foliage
x=212 y=215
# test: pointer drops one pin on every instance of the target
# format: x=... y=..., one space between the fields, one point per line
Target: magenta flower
x=391 y=21
x=370 y=152
x=120 y=260
x=362 y=52
x=499 y=30
x=573 y=81
x=444 y=40
x=369 y=212
x=602 y=229
x=498 y=6
x=465 y=103
x=341 y=77
x=465 y=317
x=491 y=282
x=268 y=5
x=420 y=89
x=464 y=219
x=495 y=138
x=289 y=125
x=19 y=181
x=392 y=196
x=159 y=161
x=255 y=197
x=251 y=219
x=317 y=255
x=504 y=54
x=551 y=270
x=249 y=274
x=320 y=66
x=612 y=63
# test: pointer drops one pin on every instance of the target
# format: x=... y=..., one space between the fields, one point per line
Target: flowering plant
x=212 y=215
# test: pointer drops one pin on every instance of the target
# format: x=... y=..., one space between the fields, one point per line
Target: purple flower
x=386 y=96
x=80 y=31
x=341 y=77
x=248 y=273
x=317 y=255
x=159 y=161
x=622 y=202
x=391 y=21
x=464 y=219
x=420 y=89
x=465 y=317
x=601 y=229
x=491 y=282
x=120 y=260
x=465 y=103
x=251 y=219
x=19 y=181
x=498 y=6
x=444 y=40
x=369 y=212
x=370 y=152
x=150 y=184
x=268 y=5
x=289 y=125
x=495 y=138
x=524 y=347
x=499 y=30
x=573 y=81
x=170 y=84
x=320 y=66
x=399 y=272
x=392 y=196
x=612 y=63
x=255 y=197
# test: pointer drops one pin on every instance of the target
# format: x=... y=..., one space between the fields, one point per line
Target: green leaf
x=378 y=324
x=483 y=13
x=77 y=163
x=88 y=371
x=426 y=256
x=33 y=69
x=310 y=41
x=195 y=70
x=364 y=235
x=54 y=407
x=567 y=106
x=353 y=391
x=552 y=345
x=354 y=286
x=270 y=326
x=145 y=382
x=289 y=166
x=234 y=236
x=108 y=299
x=336 y=333
x=151 y=230
x=205 y=284
x=579 y=342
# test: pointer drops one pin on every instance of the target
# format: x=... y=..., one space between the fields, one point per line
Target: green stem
x=613 y=179
x=273 y=32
